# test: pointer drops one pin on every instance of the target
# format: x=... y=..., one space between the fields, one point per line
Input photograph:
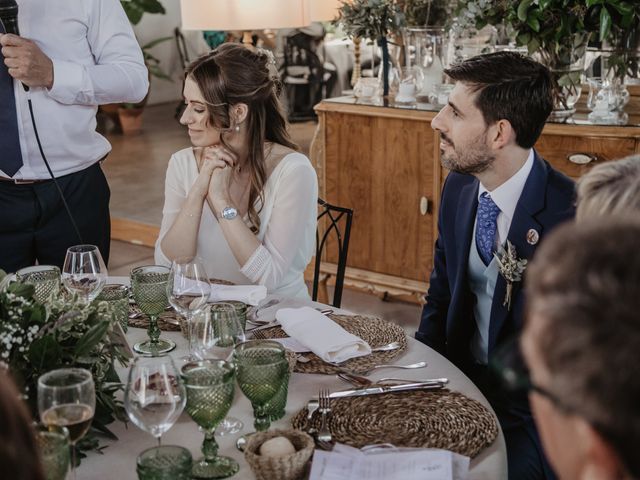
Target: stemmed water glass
x=215 y=334
x=188 y=291
x=44 y=278
x=67 y=398
x=261 y=368
x=210 y=388
x=84 y=272
x=149 y=288
x=154 y=396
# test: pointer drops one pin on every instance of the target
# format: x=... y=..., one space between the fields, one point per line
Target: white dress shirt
x=287 y=226
x=96 y=60
x=506 y=197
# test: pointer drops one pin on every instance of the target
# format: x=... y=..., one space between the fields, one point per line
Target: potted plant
x=619 y=22
x=558 y=32
x=374 y=20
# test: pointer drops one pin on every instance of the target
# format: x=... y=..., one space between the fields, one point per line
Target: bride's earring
x=237 y=129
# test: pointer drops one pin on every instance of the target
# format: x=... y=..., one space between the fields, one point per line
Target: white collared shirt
x=96 y=60
x=506 y=197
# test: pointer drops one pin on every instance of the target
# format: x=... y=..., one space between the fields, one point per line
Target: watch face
x=229 y=213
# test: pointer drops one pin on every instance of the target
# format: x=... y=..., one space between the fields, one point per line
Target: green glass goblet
x=210 y=388
x=261 y=369
x=275 y=407
x=53 y=446
x=44 y=278
x=149 y=288
x=117 y=296
x=167 y=462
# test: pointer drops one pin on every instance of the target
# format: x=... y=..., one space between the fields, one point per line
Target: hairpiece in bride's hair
x=273 y=69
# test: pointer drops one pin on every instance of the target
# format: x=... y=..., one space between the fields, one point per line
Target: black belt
x=20 y=181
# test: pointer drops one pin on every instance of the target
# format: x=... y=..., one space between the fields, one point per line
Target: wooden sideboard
x=384 y=163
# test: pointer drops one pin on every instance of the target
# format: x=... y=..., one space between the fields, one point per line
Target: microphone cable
x=55 y=180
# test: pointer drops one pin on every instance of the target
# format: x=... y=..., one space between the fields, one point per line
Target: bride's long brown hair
x=233 y=74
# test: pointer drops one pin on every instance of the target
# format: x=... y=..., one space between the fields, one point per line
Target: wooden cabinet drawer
x=557 y=149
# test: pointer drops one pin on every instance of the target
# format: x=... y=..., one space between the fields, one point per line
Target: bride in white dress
x=242 y=199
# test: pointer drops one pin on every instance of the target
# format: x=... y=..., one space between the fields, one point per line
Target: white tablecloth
x=119 y=458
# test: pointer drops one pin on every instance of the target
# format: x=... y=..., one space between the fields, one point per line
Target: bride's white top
x=287 y=227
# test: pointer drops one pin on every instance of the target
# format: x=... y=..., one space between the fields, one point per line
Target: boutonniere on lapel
x=511 y=268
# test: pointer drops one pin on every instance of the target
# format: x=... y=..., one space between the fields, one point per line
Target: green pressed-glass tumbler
x=167 y=462
x=210 y=388
x=149 y=288
x=53 y=447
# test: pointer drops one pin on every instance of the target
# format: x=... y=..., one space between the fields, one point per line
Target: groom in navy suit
x=499 y=190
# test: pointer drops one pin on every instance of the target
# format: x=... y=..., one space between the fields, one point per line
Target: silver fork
x=323 y=438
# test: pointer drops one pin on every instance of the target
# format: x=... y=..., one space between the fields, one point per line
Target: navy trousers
x=35 y=227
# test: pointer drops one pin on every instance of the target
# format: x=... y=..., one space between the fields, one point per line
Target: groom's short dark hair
x=510 y=87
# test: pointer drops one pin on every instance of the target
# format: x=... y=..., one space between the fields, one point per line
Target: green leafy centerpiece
x=37 y=337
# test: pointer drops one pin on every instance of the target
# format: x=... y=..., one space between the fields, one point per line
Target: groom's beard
x=472 y=158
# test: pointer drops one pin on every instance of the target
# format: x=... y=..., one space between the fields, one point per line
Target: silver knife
x=360 y=392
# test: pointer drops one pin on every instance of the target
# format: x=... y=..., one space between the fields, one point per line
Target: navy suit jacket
x=447 y=322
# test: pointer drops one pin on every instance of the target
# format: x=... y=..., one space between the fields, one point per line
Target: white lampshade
x=244 y=14
x=324 y=10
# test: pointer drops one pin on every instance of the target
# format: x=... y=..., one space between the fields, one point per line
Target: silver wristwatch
x=229 y=213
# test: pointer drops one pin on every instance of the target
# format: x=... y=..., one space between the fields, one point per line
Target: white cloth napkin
x=321 y=335
x=249 y=294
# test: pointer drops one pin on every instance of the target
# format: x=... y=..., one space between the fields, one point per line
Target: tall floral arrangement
x=39 y=337
x=372 y=19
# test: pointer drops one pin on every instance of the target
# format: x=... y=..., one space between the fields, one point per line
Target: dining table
x=118 y=460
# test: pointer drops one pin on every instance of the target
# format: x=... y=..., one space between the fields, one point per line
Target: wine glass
x=188 y=291
x=154 y=396
x=261 y=369
x=84 y=272
x=210 y=388
x=215 y=334
x=67 y=398
x=149 y=288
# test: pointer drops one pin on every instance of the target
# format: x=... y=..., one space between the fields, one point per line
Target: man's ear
x=601 y=460
x=501 y=134
x=239 y=113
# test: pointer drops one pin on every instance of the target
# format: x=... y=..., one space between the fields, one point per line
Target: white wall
x=157 y=26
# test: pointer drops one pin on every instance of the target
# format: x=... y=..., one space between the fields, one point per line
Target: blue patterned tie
x=10 y=156
x=486 y=227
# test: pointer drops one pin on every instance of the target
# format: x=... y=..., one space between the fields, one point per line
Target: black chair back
x=333 y=218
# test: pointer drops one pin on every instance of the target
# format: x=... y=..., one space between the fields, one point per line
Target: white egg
x=277 y=447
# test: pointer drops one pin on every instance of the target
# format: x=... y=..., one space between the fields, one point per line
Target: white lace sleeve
x=290 y=233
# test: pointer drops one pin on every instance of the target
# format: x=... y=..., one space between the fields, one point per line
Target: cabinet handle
x=424 y=205
x=582 y=158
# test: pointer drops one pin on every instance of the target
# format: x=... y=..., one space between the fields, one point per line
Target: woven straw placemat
x=375 y=331
x=168 y=321
x=427 y=419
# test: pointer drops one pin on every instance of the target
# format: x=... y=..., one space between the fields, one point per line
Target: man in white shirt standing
x=499 y=190
x=73 y=56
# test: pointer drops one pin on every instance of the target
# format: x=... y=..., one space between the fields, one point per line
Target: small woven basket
x=286 y=467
